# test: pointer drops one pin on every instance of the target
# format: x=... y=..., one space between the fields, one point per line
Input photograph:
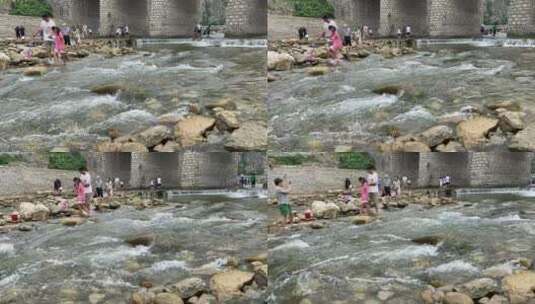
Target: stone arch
x=455 y=17
x=173 y=18
x=396 y=14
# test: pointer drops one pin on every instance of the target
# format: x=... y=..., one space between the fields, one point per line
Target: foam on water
x=103 y=240
x=416 y=113
x=188 y=67
x=454 y=266
x=408 y=252
x=167 y=265
x=111 y=256
x=362 y=104
x=295 y=244
x=7 y=249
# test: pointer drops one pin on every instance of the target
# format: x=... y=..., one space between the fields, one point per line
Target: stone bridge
x=161 y=18
x=522 y=17
x=435 y=18
x=471 y=169
x=185 y=170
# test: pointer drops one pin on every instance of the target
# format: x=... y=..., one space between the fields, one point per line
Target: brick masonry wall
x=173 y=18
x=399 y=13
x=434 y=165
x=500 y=169
x=246 y=18
x=522 y=17
x=399 y=164
x=455 y=17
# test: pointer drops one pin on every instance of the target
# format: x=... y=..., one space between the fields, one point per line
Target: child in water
x=335 y=45
x=79 y=190
x=364 y=189
x=59 y=45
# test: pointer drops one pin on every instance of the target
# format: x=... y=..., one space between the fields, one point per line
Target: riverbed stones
x=473 y=132
x=224 y=103
x=191 y=130
x=480 y=288
x=436 y=135
x=251 y=136
x=25 y=228
x=262 y=258
x=325 y=210
x=154 y=136
x=432 y=296
x=457 y=298
x=318 y=71
x=190 y=287
x=96 y=298
x=143 y=297
x=35 y=71
x=524 y=140
x=520 y=286
x=280 y=61
x=167 y=298
x=227 y=120
x=511 y=121
x=508 y=105
x=72 y=221
x=107 y=89
x=140 y=240
x=4 y=61
x=451 y=146
x=226 y=285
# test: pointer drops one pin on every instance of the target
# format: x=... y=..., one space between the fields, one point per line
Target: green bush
x=312 y=8
x=31 y=8
x=66 y=161
x=355 y=160
x=5 y=159
x=293 y=160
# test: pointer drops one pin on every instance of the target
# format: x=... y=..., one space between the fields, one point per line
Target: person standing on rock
x=45 y=29
x=282 y=190
x=327 y=23
x=335 y=45
x=387 y=184
x=59 y=46
x=98 y=187
x=347 y=35
x=81 y=197
x=364 y=191
x=397 y=186
x=373 y=183
x=85 y=178
x=17 y=32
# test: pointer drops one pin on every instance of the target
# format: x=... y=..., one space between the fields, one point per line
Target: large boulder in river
x=280 y=61
x=361 y=219
x=167 y=298
x=436 y=135
x=4 y=61
x=251 y=136
x=190 y=287
x=524 y=140
x=35 y=71
x=511 y=121
x=479 y=288
x=154 y=136
x=227 y=120
x=474 y=132
x=191 y=130
x=508 y=105
x=457 y=298
x=29 y=211
x=226 y=285
x=72 y=221
x=325 y=210
x=520 y=286
x=133 y=147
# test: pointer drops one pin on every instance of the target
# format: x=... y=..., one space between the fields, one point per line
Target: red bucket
x=308 y=214
x=15 y=217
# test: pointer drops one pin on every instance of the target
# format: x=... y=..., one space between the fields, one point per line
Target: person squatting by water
x=283 y=189
x=20 y=32
x=303 y=33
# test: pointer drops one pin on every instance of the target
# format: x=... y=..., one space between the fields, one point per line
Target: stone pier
x=522 y=17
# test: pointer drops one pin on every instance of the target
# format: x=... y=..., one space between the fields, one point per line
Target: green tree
x=66 y=161
x=312 y=8
x=355 y=160
x=28 y=7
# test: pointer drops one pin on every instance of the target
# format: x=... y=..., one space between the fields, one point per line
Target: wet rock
x=428 y=240
x=169 y=146
x=4 y=61
x=191 y=130
x=227 y=120
x=167 y=298
x=261 y=276
x=436 y=135
x=35 y=71
x=143 y=297
x=189 y=287
x=206 y=299
x=325 y=210
x=361 y=219
x=389 y=90
x=154 y=136
x=508 y=105
x=318 y=71
x=25 y=228
x=497 y=299
x=524 y=140
x=451 y=146
x=511 y=121
x=140 y=240
x=226 y=285
x=224 y=103
x=262 y=258
x=251 y=136
x=96 y=298
x=272 y=77
x=29 y=211
x=317 y=225
x=384 y=295
x=519 y=285
x=457 y=298
x=68 y=294
x=72 y=221
x=133 y=147
x=280 y=61
x=473 y=132
x=479 y=288
x=432 y=296
x=107 y=89
x=170 y=119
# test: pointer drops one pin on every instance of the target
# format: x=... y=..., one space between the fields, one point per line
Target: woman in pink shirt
x=59 y=45
x=335 y=44
x=364 y=190
x=79 y=190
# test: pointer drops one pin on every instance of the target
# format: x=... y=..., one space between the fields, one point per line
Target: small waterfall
x=480 y=42
x=215 y=42
x=527 y=192
x=241 y=193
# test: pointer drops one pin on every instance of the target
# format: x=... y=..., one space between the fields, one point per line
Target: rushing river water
x=353 y=264
x=340 y=108
x=194 y=236
x=58 y=108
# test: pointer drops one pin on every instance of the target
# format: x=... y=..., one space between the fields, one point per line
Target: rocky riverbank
x=498 y=125
x=332 y=205
x=215 y=123
x=284 y=55
x=46 y=207
x=12 y=54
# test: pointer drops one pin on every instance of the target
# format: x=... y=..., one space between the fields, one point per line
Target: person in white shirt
x=45 y=29
x=373 y=191
x=408 y=31
x=327 y=22
x=85 y=177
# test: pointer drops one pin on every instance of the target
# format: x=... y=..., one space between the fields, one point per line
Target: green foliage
x=31 y=8
x=5 y=159
x=312 y=8
x=293 y=160
x=66 y=161
x=355 y=160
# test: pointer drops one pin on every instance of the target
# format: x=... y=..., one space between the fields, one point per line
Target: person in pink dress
x=335 y=44
x=364 y=196
x=79 y=190
x=59 y=45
